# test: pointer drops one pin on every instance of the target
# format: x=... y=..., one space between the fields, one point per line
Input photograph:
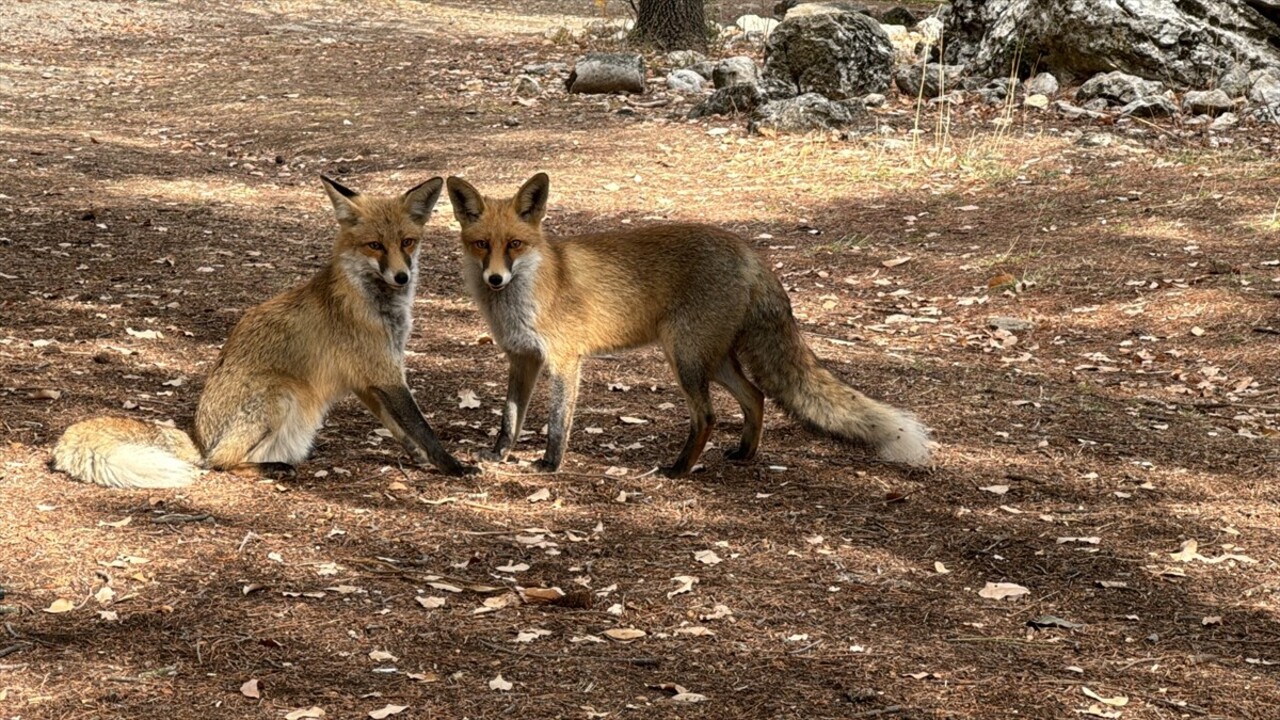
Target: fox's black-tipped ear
x=341 y=197
x=421 y=200
x=467 y=203
x=531 y=200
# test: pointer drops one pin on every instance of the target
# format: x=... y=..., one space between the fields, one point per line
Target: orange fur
x=699 y=292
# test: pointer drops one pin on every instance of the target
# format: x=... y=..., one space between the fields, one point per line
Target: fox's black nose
x=402 y=277
x=495 y=279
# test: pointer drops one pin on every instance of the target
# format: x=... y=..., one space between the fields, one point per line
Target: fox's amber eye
x=514 y=244
x=480 y=244
x=407 y=243
x=376 y=247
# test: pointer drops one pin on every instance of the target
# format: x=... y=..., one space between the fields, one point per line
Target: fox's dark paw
x=492 y=456
x=543 y=466
x=740 y=454
x=461 y=470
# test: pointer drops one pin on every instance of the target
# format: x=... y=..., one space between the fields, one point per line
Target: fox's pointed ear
x=467 y=203
x=341 y=196
x=421 y=200
x=531 y=200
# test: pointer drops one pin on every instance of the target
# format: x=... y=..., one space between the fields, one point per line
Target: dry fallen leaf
x=624 y=634
x=707 y=557
x=60 y=606
x=513 y=568
x=467 y=399
x=940 y=568
x=1117 y=701
x=250 y=689
x=387 y=711
x=895 y=262
x=382 y=656
x=1000 y=591
x=1188 y=551
x=310 y=713
x=539 y=496
x=500 y=684
x=684 y=584
x=996 y=489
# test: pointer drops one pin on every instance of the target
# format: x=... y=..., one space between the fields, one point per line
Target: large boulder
x=807 y=113
x=838 y=55
x=1188 y=43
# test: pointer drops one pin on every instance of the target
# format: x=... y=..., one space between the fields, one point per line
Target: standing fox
x=288 y=360
x=700 y=292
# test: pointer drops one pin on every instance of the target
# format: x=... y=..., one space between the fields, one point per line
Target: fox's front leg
x=564 y=396
x=395 y=407
x=522 y=376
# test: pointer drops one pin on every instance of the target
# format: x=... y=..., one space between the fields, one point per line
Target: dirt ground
x=160 y=165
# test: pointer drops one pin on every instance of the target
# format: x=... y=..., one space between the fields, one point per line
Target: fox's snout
x=497 y=281
x=400 y=279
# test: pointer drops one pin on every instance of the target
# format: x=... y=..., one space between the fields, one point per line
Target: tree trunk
x=672 y=24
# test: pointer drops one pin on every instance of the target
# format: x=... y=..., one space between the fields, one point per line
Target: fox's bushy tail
x=775 y=353
x=120 y=453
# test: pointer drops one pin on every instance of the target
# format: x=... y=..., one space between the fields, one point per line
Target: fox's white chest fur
x=512 y=311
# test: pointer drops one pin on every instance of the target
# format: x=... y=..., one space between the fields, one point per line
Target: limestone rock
x=728 y=101
x=735 y=71
x=807 y=113
x=1117 y=87
x=1151 y=106
x=685 y=81
x=1042 y=84
x=930 y=80
x=1207 y=102
x=898 y=16
x=1188 y=43
x=838 y=55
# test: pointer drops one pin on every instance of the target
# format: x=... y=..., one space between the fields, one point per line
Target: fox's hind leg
x=729 y=374
x=695 y=381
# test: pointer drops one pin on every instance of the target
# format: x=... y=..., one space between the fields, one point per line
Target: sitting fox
x=288 y=360
x=699 y=292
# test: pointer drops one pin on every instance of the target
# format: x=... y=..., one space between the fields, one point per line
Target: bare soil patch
x=159 y=173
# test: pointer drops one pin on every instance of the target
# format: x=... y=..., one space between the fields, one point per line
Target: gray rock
x=1096 y=139
x=1188 y=43
x=728 y=101
x=735 y=71
x=1207 y=102
x=543 y=69
x=1038 y=101
x=1010 y=324
x=684 y=58
x=1225 y=121
x=1097 y=105
x=756 y=24
x=706 y=69
x=805 y=9
x=1073 y=112
x=1235 y=82
x=1264 y=96
x=780 y=9
x=526 y=86
x=807 y=113
x=1042 y=84
x=838 y=55
x=1152 y=106
x=603 y=73
x=685 y=81
x=898 y=16
x=992 y=95
x=931 y=80
x=874 y=100
x=1117 y=87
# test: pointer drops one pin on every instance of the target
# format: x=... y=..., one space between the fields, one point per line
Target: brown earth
x=159 y=173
